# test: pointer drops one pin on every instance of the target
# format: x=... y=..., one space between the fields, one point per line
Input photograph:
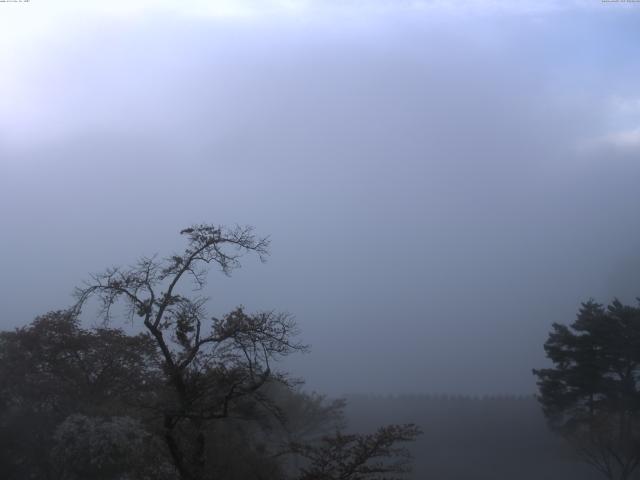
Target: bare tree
x=210 y=365
x=376 y=456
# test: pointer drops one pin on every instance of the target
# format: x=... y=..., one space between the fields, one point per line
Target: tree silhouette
x=52 y=369
x=215 y=368
x=358 y=457
x=591 y=395
x=210 y=364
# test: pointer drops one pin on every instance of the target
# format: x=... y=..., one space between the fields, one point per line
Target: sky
x=441 y=180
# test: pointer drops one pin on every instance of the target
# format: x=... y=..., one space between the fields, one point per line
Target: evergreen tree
x=591 y=395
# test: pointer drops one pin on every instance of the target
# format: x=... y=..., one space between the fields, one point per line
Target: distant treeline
x=442 y=397
x=474 y=437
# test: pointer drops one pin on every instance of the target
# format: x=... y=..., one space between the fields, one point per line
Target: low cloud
x=417 y=176
x=626 y=140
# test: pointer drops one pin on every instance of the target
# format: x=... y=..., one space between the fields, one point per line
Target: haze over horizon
x=441 y=180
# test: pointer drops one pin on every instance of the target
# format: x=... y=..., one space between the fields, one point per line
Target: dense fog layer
x=441 y=182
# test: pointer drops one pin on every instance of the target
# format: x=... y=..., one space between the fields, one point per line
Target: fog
x=440 y=180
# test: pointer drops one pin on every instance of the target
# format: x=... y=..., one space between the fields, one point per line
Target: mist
x=441 y=182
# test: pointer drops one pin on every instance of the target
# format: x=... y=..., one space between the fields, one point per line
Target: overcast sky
x=441 y=180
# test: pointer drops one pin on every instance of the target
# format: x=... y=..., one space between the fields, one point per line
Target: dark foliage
x=192 y=398
x=52 y=369
x=591 y=394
